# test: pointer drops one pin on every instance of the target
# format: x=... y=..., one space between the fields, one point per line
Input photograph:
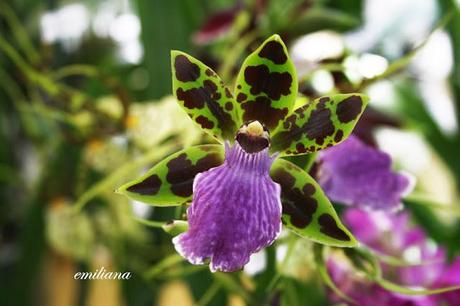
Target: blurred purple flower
x=450 y=277
x=366 y=293
x=391 y=235
x=232 y=202
x=354 y=173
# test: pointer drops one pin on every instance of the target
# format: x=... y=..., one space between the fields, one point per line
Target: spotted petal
x=170 y=181
x=306 y=210
x=320 y=124
x=266 y=86
x=203 y=96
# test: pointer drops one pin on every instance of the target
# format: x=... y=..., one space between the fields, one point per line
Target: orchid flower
x=359 y=175
x=241 y=190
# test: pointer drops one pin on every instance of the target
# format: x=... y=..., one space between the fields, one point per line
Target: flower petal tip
x=411 y=181
x=191 y=257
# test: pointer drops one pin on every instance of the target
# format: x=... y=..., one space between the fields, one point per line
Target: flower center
x=253 y=137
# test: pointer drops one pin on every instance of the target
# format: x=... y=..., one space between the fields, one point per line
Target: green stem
x=168 y=262
x=19 y=32
x=47 y=112
x=10 y=87
x=290 y=250
x=28 y=71
x=155 y=224
x=47 y=84
x=228 y=282
x=324 y=273
x=408 y=291
x=77 y=69
x=182 y=272
x=17 y=97
x=396 y=262
x=208 y=295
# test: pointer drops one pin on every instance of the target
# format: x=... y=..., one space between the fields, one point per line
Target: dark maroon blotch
x=241 y=97
x=149 y=186
x=289 y=122
x=308 y=189
x=338 y=136
x=208 y=95
x=181 y=172
x=349 y=109
x=204 y=122
x=318 y=127
x=328 y=226
x=186 y=71
x=229 y=106
x=273 y=84
x=261 y=110
x=209 y=86
x=216 y=95
x=224 y=120
x=209 y=72
x=192 y=98
x=252 y=144
x=274 y=51
x=300 y=148
x=298 y=204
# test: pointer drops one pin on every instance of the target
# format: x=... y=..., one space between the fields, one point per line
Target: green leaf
x=203 y=96
x=319 y=124
x=170 y=182
x=266 y=86
x=306 y=209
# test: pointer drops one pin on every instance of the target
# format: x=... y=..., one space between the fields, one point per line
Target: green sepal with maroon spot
x=266 y=86
x=306 y=209
x=203 y=96
x=170 y=182
x=319 y=124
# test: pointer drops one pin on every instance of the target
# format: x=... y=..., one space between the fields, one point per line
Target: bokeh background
x=85 y=106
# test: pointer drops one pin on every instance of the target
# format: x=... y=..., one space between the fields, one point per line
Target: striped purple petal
x=236 y=211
